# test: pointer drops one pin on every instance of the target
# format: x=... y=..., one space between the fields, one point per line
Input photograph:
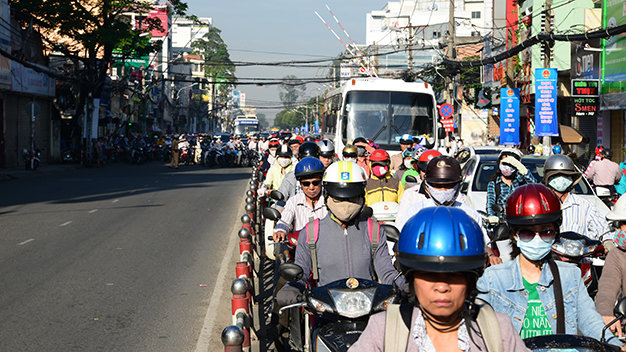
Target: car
x=478 y=170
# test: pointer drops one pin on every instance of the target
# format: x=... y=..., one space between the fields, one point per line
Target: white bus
x=246 y=124
x=381 y=110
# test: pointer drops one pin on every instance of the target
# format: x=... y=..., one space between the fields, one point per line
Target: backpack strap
x=489 y=326
x=558 y=298
x=374 y=243
x=312 y=240
x=397 y=323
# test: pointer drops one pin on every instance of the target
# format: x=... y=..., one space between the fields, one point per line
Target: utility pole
x=451 y=53
x=410 y=46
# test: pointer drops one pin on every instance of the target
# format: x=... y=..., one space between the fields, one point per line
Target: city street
x=122 y=258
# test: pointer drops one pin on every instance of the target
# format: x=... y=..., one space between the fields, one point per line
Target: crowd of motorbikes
x=333 y=316
x=195 y=149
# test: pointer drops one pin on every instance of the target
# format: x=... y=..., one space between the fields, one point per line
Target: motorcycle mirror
x=290 y=271
x=441 y=132
x=393 y=234
x=464 y=187
x=271 y=213
x=501 y=233
x=277 y=195
x=411 y=179
x=367 y=212
x=497 y=208
x=620 y=309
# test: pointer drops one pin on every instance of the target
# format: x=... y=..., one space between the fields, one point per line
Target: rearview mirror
x=501 y=233
x=367 y=212
x=393 y=234
x=277 y=195
x=290 y=271
x=411 y=179
x=464 y=187
x=497 y=208
x=271 y=213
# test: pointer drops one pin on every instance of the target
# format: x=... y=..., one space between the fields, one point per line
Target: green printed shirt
x=536 y=322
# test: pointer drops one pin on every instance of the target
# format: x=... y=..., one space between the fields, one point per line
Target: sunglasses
x=308 y=183
x=546 y=235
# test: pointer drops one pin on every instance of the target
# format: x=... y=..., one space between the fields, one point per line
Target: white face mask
x=272 y=152
x=350 y=159
x=443 y=197
x=507 y=170
x=407 y=164
x=561 y=183
x=284 y=162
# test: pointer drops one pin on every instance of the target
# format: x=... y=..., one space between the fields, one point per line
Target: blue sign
x=317 y=127
x=297 y=130
x=446 y=110
x=306 y=127
x=546 y=121
x=509 y=116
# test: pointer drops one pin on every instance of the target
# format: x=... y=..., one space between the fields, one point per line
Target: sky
x=283 y=30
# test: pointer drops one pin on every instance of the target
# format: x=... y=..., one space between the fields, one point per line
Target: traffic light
x=130 y=124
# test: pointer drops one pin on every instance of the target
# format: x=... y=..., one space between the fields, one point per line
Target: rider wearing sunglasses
x=542 y=296
x=304 y=205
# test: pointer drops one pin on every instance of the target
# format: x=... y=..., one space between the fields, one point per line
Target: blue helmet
x=557 y=149
x=441 y=239
x=309 y=167
x=406 y=139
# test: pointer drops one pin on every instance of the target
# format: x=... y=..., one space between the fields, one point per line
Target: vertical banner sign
x=297 y=130
x=317 y=127
x=546 y=121
x=509 y=116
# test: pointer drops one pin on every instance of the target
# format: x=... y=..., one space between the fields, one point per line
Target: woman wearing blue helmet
x=441 y=254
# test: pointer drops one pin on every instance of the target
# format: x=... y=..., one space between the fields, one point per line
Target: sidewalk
x=13 y=173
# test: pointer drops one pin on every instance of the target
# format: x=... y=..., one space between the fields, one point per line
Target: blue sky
x=282 y=30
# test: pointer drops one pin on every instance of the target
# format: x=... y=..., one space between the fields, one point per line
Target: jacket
x=346 y=253
x=276 y=174
x=297 y=212
x=502 y=286
x=381 y=189
x=612 y=282
x=373 y=337
x=604 y=173
x=290 y=185
x=403 y=184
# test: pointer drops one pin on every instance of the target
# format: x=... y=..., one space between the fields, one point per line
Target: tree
x=290 y=91
x=217 y=59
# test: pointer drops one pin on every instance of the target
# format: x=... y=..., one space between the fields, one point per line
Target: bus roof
x=386 y=84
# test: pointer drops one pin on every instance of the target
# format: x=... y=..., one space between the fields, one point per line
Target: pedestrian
x=175 y=152
x=99 y=147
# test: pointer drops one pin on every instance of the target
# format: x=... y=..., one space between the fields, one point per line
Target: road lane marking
x=65 y=223
x=93 y=211
x=216 y=296
x=115 y=200
x=27 y=241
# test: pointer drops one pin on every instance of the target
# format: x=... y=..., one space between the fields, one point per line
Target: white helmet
x=619 y=210
x=514 y=152
x=327 y=148
x=344 y=179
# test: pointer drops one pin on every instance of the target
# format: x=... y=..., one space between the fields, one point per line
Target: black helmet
x=359 y=140
x=309 y=149
x=284 y=151
x=442 y=170
x=607 y=153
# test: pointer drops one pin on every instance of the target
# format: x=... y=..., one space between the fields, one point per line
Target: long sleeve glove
x=288 y=295
x=516 y=164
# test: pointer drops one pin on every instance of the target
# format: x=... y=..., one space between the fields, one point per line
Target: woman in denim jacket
x=524 y=288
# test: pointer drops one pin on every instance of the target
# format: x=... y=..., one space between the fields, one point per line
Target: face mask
x=507 y=170
x=350 y=159
x=620 y=239
x=380 y=171
x=284 y=162
x=560 y=183
x=535 y=249
x=407 y=164
x=343 y=209
x=443 y=197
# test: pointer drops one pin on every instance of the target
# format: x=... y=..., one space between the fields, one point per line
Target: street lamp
x=185 y=87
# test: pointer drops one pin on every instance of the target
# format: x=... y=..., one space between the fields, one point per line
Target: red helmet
x=379 y=155
x=425 y=157
x=274 y=143
x=533 y=204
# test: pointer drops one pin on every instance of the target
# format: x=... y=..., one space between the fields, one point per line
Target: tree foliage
x=217 y=59
x=291 y=89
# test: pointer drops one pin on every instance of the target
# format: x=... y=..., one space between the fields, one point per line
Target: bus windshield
x=244 y=127
x=385 y=116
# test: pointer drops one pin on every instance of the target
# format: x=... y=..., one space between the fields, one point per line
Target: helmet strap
x=451 y=324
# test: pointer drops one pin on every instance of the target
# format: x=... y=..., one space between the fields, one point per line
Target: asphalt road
x=123 y=258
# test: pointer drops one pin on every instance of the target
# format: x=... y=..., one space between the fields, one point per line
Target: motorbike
x=606 y=195
x=563 y=342
x=337 y=313
x=580 y=250
x=272 y=215
x=31 y=158
x=385 y=213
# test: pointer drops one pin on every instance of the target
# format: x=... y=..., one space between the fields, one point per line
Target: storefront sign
x=509 y=120
x=585 y=59
x=546 y=122
x=585 y=88
x=585 y=106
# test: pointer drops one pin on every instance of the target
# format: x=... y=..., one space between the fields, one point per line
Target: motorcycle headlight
x=320 y=306
x=353 y=304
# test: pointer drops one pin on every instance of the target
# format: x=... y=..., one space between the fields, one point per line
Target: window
x=436 y=35
x=475 y=34
x=475 y=14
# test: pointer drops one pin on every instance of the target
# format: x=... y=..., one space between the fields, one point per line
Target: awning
x=569 y=135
